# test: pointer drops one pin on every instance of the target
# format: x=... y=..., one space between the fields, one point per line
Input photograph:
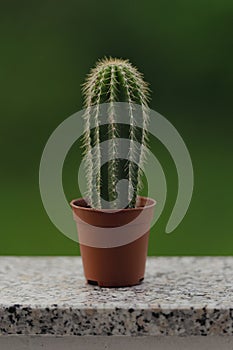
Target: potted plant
x=113 y=227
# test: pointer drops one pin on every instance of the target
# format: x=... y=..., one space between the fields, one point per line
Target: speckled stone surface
x=180 y=296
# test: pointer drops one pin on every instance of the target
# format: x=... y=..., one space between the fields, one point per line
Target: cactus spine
x=114 y=80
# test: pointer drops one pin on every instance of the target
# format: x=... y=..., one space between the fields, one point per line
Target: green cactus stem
x=114 y=80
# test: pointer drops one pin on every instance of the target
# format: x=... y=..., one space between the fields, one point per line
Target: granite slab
x=180 y=296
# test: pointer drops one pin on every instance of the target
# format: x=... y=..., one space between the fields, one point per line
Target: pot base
x=109 y=284
x=122 y=266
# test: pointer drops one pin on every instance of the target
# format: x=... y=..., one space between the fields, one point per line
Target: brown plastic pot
x=114 y=244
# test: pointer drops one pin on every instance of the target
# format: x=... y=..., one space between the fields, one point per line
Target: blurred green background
x=184 y=48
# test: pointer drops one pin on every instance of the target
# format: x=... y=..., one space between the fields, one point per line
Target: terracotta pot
x=114 y=243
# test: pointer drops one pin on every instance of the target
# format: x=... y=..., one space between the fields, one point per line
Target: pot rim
x=152 y=203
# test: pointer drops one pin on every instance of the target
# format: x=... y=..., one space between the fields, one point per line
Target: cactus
x=114 y=80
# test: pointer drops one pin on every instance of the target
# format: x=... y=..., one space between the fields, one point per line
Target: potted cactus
x=113 y=225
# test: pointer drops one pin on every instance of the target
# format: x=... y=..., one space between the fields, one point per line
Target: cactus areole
x=109 y=261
